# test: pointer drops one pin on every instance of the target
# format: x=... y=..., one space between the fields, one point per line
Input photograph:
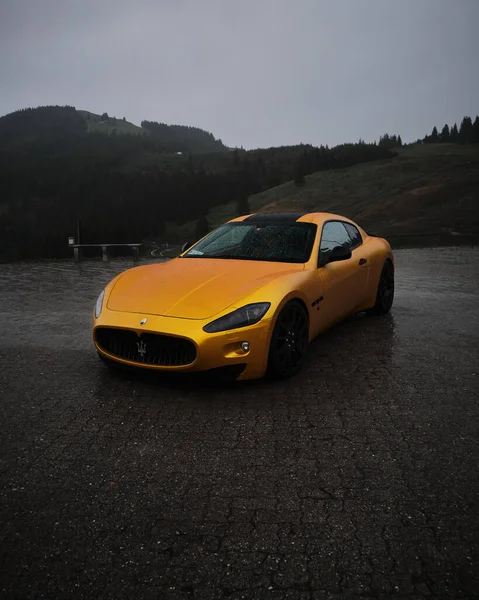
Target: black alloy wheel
x=385 y=293
x=289 y=341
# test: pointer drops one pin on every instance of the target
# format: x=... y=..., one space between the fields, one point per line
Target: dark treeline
x=125 y=188
x=467 y=133
x=390 y=141
x=313 y=159
x=180 y=138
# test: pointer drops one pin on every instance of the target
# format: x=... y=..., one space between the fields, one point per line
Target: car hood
x=192 y=288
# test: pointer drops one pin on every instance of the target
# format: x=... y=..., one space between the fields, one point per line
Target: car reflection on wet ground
x=357 y=478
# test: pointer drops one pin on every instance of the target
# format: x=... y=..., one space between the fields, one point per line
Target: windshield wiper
x=236 y=257
x=230 y=256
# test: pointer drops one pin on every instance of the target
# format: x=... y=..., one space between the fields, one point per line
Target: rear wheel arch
x=385 y=289
x=378 y=261
x=388 y=261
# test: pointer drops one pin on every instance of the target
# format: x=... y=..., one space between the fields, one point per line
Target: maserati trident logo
x=143 y=321
x=141 y=348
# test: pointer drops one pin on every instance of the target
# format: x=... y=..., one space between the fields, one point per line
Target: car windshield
x=277 y=242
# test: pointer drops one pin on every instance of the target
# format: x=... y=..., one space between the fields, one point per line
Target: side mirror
x=337 y=253
x=185 y=246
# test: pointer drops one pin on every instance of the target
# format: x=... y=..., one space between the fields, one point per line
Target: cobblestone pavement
x=356 y=479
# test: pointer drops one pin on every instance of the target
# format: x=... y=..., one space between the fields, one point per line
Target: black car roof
x=272 y=217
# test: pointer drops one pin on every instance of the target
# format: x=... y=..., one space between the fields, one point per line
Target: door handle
x=363 y=261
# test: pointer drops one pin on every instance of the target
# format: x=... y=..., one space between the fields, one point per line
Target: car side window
x=334 y=234
x=356 y=239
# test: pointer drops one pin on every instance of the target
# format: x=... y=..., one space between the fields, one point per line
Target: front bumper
x=213 y=350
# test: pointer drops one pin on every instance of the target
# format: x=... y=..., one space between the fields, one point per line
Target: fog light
x=245 y=346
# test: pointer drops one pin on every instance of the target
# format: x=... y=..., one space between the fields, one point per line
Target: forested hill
x=46 y=123
x=65 y=123
x=182 y=138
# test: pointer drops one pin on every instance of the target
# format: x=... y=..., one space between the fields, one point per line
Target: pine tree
x=475 y=134
x=384 y=141
x=466 y=132
x=434 y=139
x=454 y=134
x=445 y=134
x=390 y=141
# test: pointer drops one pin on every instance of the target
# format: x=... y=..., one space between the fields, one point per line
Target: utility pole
x=78 y=232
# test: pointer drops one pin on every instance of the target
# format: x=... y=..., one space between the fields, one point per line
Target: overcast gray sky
x=255 y=73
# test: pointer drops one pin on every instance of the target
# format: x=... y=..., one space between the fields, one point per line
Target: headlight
x=99 y=305
x=247 y=315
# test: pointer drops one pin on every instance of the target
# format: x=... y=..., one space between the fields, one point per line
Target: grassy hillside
x=428 y=189
x=95 y=124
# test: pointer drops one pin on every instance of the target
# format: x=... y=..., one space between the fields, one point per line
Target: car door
x=361 y=257
x=343 y=283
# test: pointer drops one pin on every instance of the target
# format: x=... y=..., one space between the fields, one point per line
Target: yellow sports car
x=247 y=298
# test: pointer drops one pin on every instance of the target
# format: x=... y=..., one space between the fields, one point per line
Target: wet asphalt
x=356 y=479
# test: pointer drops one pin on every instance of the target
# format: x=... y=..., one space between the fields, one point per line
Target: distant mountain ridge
x=50 y=123
x=30 y=125
x=103 y=123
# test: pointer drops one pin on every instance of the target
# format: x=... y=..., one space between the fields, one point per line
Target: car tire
x=385 y=292
x=289 y=341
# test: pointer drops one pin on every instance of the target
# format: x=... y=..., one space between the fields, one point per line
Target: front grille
x=147 y=348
